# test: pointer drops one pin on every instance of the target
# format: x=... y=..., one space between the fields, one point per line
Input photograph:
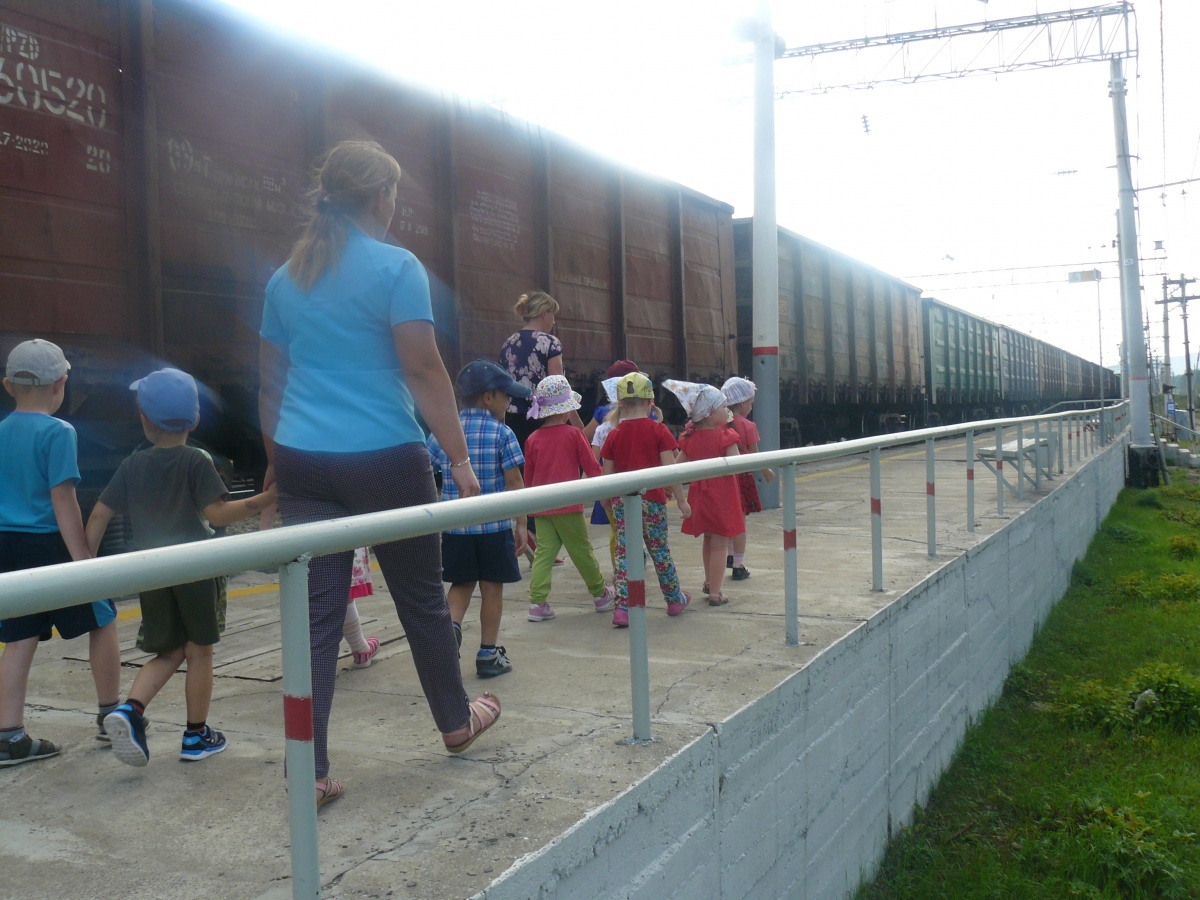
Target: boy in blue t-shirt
x=483 y=554
x=40 y=525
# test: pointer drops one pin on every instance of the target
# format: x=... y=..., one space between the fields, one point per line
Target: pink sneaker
x=540 y=612
x=676 y=607
x=362 y=660
x=621 y=617
x=606 y=600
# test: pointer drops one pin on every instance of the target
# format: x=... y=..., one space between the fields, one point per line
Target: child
x=601 y=513
x=612 y=416
x=739 y=394
x=40 y=525
x=716 y=510
x=485 y=554
x=364 y=649
x=639 y=442
x=608 y=399
x=164 y=491
x=555 y=453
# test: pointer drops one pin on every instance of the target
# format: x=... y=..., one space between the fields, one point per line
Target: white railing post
x=298 y=728
x=1060 y=446
x=1079 y=438
x=930 y=498
x=639 y=652
x=791 y=579
x=1037 y=456
x=999 y=470
x=971 y=482
x=1020 y=460
x=876 y=524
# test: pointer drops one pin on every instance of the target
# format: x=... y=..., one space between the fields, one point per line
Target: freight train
x=861 y=352
x=154 y=156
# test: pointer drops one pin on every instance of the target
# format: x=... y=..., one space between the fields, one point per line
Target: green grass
x=1084 y=779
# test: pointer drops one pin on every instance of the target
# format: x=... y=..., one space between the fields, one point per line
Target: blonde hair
x=535 y=303
x=348 y=177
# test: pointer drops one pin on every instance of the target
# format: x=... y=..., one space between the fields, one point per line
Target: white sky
x=962 y=169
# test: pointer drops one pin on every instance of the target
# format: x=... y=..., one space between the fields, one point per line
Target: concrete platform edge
x=798 y=792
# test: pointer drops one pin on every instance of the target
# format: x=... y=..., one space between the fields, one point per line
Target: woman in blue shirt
x=347 y=358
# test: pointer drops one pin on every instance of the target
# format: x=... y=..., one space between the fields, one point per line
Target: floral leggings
x=654 y=531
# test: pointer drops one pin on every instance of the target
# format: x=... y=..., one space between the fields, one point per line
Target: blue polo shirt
x=345 y=390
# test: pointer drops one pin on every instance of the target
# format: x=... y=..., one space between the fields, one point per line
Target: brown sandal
x=719 y=600
x=331 y=790
x=485 y=712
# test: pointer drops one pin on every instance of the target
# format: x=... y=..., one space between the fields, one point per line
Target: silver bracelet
x=459 y=465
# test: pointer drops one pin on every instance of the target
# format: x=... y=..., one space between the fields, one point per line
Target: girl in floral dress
x=364 y=649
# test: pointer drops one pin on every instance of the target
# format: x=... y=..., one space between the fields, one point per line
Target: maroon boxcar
x=154 y=156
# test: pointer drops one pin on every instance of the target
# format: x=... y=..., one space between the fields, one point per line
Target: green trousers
x=565 y=530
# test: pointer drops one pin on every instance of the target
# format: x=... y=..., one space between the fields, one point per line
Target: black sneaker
x=102 y=735
x=740 y=573
x=492 y=664
x=27 y=749
x=127 y=731
x=202 y=745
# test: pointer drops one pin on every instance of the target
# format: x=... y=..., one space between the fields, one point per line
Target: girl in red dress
x=739 y=394
x=716 y=507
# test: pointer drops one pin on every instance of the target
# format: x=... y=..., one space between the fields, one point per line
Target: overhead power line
x=1054 y=39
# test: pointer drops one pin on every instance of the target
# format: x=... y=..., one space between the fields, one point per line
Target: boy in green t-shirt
x=167 y=492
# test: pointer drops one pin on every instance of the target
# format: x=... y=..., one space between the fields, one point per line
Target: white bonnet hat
x=738 y=390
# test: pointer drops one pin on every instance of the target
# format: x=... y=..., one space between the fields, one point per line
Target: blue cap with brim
x=169 y=399
x=482 y=375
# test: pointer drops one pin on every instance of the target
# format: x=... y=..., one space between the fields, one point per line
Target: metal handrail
x=1175 y=425
x=53 y=587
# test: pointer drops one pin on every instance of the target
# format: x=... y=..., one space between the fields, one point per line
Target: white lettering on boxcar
x=495 y=220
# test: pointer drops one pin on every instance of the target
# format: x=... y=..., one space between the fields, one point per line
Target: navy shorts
x=480 y=557
x=21 y=550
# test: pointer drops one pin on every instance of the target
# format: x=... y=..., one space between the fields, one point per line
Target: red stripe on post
x=637 y=594
x=764 y=351
x=876 y=506
x=999 y=464
x=929 y=488
x=298 y=718
x=971 y=474
x=789 y=540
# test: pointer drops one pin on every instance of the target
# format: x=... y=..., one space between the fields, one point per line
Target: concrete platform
x=416 y=822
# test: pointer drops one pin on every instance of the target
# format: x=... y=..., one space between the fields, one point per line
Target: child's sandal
x=331 y=790
x=485 y=712
x=719 y=600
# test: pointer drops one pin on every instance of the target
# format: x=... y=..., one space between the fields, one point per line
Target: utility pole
x=1166 y=336
x=764 y=330
x=1143 y=454
x=1182 y=282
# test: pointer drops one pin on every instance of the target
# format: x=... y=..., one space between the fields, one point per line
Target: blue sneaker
x=199 y=746
x=489 y=665
x=127 y=731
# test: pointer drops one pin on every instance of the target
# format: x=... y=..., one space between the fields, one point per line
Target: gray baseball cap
x=36 y=362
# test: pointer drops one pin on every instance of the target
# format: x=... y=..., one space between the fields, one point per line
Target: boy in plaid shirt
x=485 y=554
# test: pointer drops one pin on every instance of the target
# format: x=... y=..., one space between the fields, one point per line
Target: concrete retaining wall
x=796 y=794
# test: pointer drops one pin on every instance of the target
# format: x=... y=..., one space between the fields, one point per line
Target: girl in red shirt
x=639 y=442
x=716 y=507
x=555 y=453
